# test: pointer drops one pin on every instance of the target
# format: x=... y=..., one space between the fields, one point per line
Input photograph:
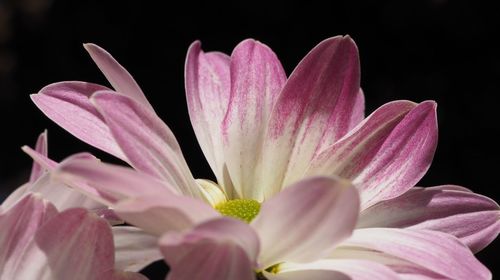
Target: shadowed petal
x=305 y=221
x=314 y=110
x=256 y=80
x=222 y=249
x=68 y=105
x=328 y=269
x=435 y=251
x=117 y=75
x=473 y=218
x=41 y=147
x=207 y=90
x=134 y=249
x=148 y=143
x=386 y=154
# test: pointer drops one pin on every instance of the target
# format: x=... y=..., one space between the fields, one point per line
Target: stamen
x=243 y=209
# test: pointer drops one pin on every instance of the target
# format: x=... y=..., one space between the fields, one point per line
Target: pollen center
x=243 y=209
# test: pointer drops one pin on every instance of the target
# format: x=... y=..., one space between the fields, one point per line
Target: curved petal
x=314 y=215
x=207 y=90
x=117 y=75
x=148 y=143
x=435 y=251
x=223 y=249
x=386 y=154
x=134 y=249
x=68 y=105
x=327 y=269
x=256 y=80
x=358 y=111
x=473 y=218
x=314 y=110
x=41 y=147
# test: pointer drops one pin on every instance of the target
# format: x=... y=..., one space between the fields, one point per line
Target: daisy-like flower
x=290 y=156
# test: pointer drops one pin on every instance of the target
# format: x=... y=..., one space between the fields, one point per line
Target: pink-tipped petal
x=160 y=213
x=134 y=249
x=108 y=183
x=358 y=112
x=257 y=77
x=316 y=107
x=327 y=269
x=305 y=221
x=119 y=78
x=148 y=143
x=68 y=105
x=222 y=249
x=18 y=226
x=473 y=218
x=42 y=148
x=386 y=154
x=434 y=251
x=207 y=90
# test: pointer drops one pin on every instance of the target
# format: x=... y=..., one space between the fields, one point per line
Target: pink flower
x=270 y=142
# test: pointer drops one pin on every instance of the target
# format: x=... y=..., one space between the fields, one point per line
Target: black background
x=440 y=50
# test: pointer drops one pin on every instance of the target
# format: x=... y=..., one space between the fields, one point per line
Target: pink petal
x=68 y=105
x=207 y=90
x=435 y=251
x=14 y=197
x=39 y=159
x=117 y=75
x=256 y=80
x=160 y=213
x=358 y=112
x=316 y=107
x=327 y=269
x=473 y=218
x=222 y=249
x=314 y=215
x=41 y=147
x=134 y=249
x=148 y=143
x=18 y=226
x=386 y=154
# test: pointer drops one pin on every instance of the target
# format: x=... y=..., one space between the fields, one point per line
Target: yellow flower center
x=243 y=209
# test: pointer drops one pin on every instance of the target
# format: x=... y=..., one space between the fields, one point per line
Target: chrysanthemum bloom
x=49 y=231
x=270 y=142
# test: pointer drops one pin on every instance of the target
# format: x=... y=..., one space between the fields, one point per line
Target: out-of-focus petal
x=386 y=154
x=314 y=110
x=148 y=143
x=473 y=218
x=14 y=197
x=18 y=226
x=328 y=269
x=223 y=249
x=68 y=105
x=435 y=251
x=117 y=75
x=134 y=249
x=257 y=78
x=207 y=81
x=305 y=221
x=41 y=147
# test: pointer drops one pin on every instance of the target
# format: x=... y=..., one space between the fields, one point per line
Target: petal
x=334 y=269
x=148 y=143
x=134 y=249
x=117 y=75
x=256 y=80
x=223 y=249
x=316 y=108
x=435 y=251
x=14 y=197
x=358 y=111
x=207 y=90
x=39 y=159
x=18 y=226
x=473 y=218
x=314 y=215
x=386 y=154
x=68 y=105
x=41 y=147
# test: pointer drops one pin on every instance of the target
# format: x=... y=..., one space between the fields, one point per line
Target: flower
x=290 y=156
x=49 y=231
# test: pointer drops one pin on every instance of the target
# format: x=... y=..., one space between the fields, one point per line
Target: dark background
x=441 y=50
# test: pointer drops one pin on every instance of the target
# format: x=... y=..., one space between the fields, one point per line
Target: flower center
x=243 y=209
